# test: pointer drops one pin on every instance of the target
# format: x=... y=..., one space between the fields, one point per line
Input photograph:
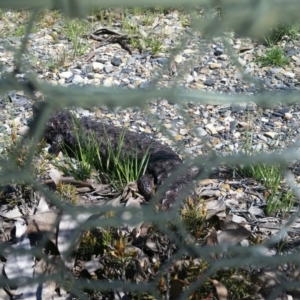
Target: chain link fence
x=250 y=18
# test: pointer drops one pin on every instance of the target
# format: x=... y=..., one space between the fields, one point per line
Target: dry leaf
x=21 y=227
x=43 y=205
x=214 y=207
x=55 y=175
x=225 y=225
x=69 y=235
x=43 y=223
x=220 y=289
x=48 y=288
x=10 y=212
x=20 y=267
x=233 y=236
x=256 y=211
x=92 y=265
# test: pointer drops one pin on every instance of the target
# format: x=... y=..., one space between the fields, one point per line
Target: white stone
x=211 y=128
x=178 y=59
x=223 y=56
x=265 y=120
x=16 y=122
x=95 y=81
x=23 y=130
x=97 y=66
x=241 y=61
x=61 y=81
x=214 y=66
x=220 y=128
x=189 y=51
x=288 y=116
x=65 y=75
x=289 y=74
x=108 y=82
x=189 y=78
x=271 y=134
x=183 y=131
x=48 y=37
x=77 y=79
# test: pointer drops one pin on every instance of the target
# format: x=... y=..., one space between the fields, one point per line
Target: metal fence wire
x=39 y=260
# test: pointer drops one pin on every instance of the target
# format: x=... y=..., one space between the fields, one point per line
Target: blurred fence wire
x=250 y=18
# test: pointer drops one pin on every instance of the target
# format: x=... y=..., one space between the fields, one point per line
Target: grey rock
x=131 y=60
x=209 y=82
x=66 y=75
x=77 y=79
x=251 y=89
x=201 y=132
x=116 y=61
x=161 y=60
x=172 y=132
x=144 y=85
x=17 y=100
x=108 y=68
x=126 y=70
x=218 y=51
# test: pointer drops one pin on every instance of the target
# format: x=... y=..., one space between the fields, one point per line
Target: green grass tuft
x=117 y=169
x=276 y=34
x=75 y=30
x=279 y=199
x=273 y=57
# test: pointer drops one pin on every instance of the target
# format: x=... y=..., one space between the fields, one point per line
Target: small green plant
x=75 y=30
x=193 y=216
x=278 y=198
x=236 y=281
x=184 y=20
x=122 y=169
x=148 y=19
x=271 y=177
x=116 y=257
x=2 y=14
x=273 y=57
x=91 y=244
x=55 y=37
x=20 y=31
x=55 y=63
x=67 y=192
x=84 y=164
x=281 y=30
x=155 y=45
x=139 y=39
x=117 y=169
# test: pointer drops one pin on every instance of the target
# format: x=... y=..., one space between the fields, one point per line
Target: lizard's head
x=56 y=125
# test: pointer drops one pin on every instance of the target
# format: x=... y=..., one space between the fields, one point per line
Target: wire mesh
x=251 y=18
